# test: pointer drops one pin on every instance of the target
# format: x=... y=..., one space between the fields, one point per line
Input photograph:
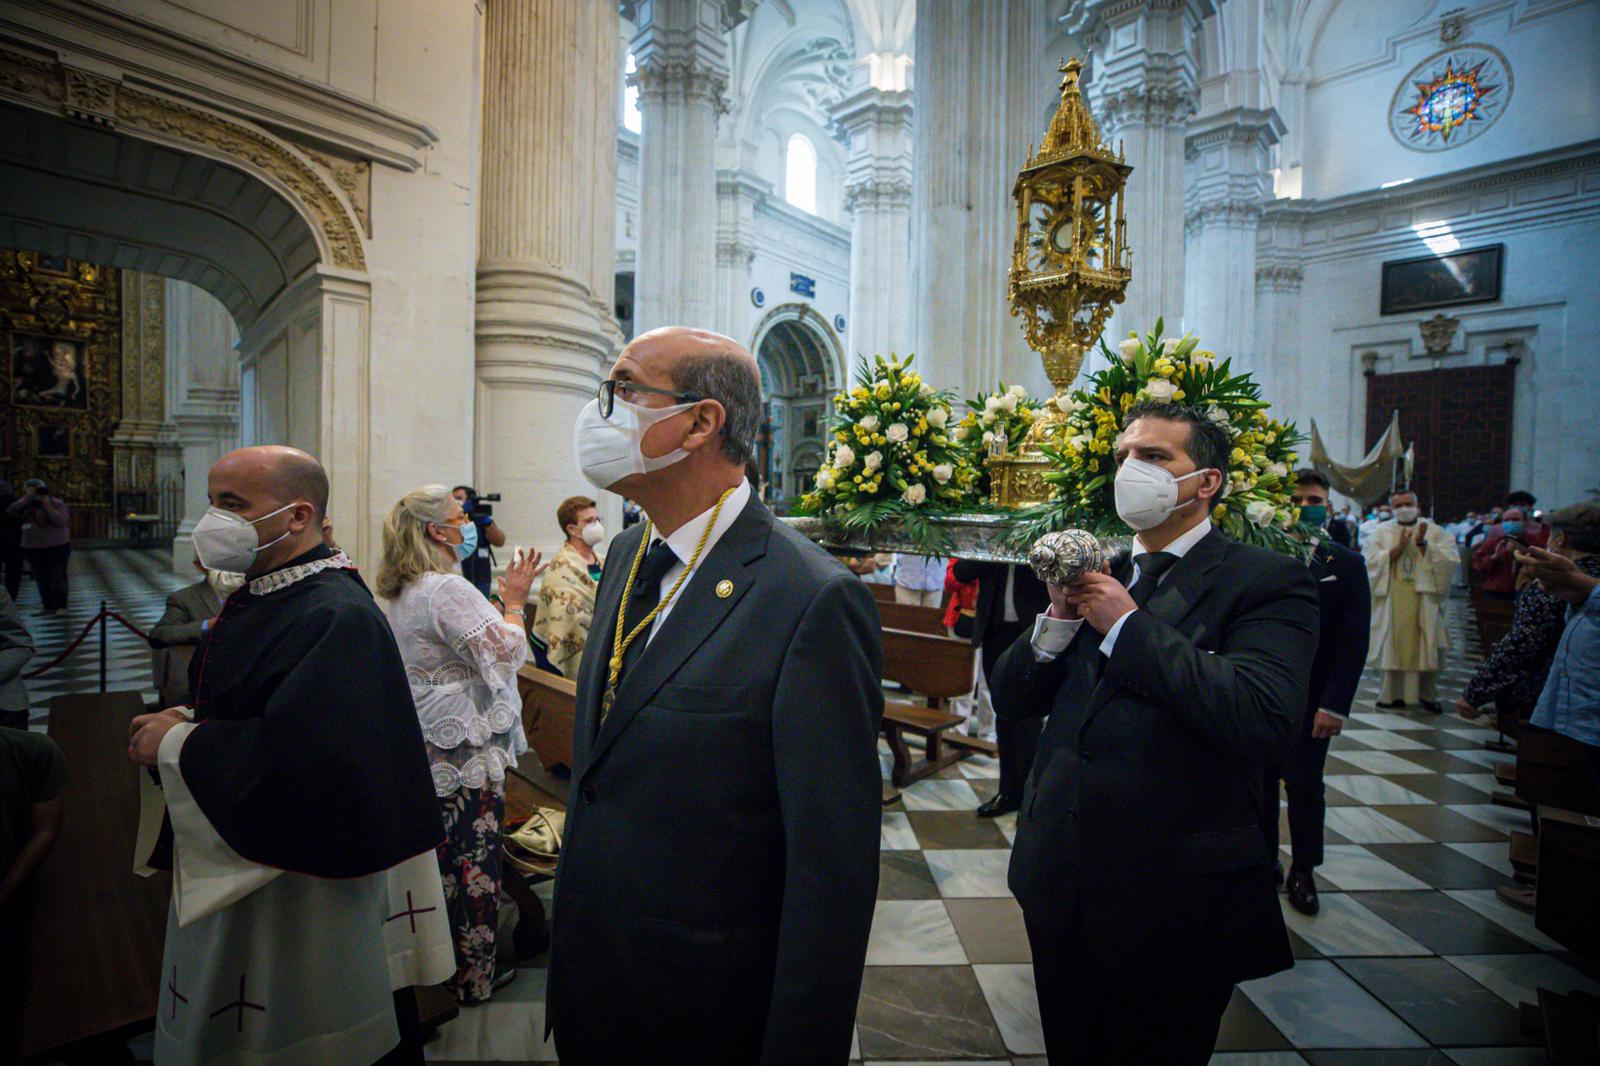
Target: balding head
x=707 y=365
x=282 y=491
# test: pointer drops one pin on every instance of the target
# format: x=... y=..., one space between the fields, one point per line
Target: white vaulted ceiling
x=95 y=194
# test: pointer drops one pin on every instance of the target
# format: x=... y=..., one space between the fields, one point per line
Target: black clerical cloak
x=308 y=756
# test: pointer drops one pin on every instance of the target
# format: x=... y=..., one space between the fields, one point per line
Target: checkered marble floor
x=135 y=583
x=1413 y=959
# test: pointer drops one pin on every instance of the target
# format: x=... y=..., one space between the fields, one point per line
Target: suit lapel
x=695 y=615
x=602 y=637
x=1186 y=585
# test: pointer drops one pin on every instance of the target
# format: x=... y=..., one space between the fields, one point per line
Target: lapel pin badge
x=724 y=589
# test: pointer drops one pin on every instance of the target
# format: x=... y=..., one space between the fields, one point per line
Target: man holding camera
x=46 y=541
x=479 y=566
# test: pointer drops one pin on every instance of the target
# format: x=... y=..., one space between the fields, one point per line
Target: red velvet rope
x=105 y=613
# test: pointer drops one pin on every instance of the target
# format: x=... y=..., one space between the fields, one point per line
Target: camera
x=479 y=504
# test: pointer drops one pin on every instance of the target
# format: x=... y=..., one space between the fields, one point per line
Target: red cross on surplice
x=411 y=912
x=239 y=1004
x=172 y=986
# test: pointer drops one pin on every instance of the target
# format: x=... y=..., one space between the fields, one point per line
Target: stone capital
x=1278 y=277
x=688 y=82
x=877 y=193
x=1235 y=127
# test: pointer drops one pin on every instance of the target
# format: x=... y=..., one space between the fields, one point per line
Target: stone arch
x=133 y=179
x=802 y=367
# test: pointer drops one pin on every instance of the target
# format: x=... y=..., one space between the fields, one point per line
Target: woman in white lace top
x=462 y=657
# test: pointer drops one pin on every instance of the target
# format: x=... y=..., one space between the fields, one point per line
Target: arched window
x=631 y=117
x=800 y=174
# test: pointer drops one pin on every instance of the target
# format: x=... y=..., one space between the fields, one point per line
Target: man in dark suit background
x=1344 y=601
x=1010 y=598
x=720 y=864
x=1170 y=682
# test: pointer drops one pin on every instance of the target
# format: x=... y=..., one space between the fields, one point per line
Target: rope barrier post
x=103 y=620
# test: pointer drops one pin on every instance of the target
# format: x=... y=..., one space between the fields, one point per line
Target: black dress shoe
x=1432 y=707
x=1302 y=891
x=1001 y=804
x=1390 y=706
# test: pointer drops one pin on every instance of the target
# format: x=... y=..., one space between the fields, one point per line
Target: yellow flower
x=1219 y=512
x=1104 y=394
x=1164 y=367
x=1178 y=395
x=1239 y=455
x=859 y=392
x=883 y=391
x=1127 y=400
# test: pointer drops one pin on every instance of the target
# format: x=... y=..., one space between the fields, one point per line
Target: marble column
x=202 y=397
x=681 y=54
x=877 y=187
x=982 y=92
x=1278 y=277
x=1228 y=187
x=1142 y=90
x=545 y=333
x=135 y=441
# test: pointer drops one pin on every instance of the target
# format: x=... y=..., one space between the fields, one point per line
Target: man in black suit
x=1345 y=608
x=1170 y=682
x=720 y=866
x=1010 y=597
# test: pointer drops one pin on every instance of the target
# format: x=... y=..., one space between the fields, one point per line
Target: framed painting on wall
x=1469 y=276
x=52 y=442
x=47 y=371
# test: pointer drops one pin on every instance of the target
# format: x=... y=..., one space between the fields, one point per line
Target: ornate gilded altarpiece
x=61 y=374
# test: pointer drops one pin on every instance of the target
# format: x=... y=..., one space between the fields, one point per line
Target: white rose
x=1019 y=392
x=844 y=457
x=1170 y=345
x=824 y=479
x=1277 y=470
x=938 y=417
x=1160 y=389
x=942 y=472
x=1260 y=512
x=1203 y=360
x=897 y=433
x=1285 y=518
x=992 y=404
x=959 y=433
x=915 y=494
x=1129 y=348
x=1217 y=415
x=872 y=461
x=1081 y=441
x=1067 y=405
x=1009 y=402
x=870 y=423
x=926 y=390
x=988 y=438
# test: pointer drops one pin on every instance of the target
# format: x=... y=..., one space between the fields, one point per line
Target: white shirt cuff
x=1110 y=642
x=1052 y=635
x=1336 y=714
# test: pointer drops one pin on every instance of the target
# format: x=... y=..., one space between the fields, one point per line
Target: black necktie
x=646 y=594
x=1151 y=566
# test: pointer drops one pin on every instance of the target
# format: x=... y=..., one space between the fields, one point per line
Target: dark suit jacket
x=1028 y=594
x=1344 y=599
x=16 y=651
x=1140 y=824
x=187 y=609
x=720 y=864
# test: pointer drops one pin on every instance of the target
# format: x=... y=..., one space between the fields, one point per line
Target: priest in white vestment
x=1410 y=563
x=299 y=819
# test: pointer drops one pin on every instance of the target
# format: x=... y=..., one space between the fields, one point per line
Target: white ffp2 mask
x=1147 y=493
x=226 y=541
x=593 y=534
x=608 y=450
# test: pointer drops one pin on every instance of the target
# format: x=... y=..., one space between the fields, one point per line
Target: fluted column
x=1279 y=274
x=544 y=332
x=981 y=97
x=1228 y=188
x=877 y=186
x=202 y=398
x=681 y=54
x=1142 y=90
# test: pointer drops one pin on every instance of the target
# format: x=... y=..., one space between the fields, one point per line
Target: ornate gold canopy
x=1070 y=266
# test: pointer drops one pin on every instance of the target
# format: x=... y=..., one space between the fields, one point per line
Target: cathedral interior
x=411 y=238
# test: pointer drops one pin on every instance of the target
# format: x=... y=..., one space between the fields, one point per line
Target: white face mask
x=1147 y=493
x=226 y=541
x=608 y=450
x=593 y=534
x=224 y=582
x=1405 y=515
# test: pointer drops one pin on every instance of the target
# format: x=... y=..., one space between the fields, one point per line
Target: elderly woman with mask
x=462 y=656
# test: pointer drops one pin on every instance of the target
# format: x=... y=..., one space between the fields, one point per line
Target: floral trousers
x=469 y=866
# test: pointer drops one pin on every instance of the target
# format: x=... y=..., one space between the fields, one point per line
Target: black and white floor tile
x=1414 y=959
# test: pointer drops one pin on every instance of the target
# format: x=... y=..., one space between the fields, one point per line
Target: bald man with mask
x=720 y=864
x=296 y=809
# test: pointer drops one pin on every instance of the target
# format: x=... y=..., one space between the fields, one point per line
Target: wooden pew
x=1565 y=907
x=938 y=668
x=94 y=962
x=1552 y=770
x=880 y=592
x=911 y=618
x=549 y=709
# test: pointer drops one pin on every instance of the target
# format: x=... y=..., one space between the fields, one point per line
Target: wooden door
x=1460 y=422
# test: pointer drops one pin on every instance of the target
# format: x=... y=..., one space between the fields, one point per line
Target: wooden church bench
x=939 y=669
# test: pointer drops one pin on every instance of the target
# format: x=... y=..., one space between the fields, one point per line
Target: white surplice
x=263 y=966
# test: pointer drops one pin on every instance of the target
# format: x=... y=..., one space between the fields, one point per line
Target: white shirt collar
x=282 y=579
x=686 y=537
x=1179 y=547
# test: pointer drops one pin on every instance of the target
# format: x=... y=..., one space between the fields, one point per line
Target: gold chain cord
x=620 y=644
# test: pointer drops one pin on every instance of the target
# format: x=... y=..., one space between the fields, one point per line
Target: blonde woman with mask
x=462 y=657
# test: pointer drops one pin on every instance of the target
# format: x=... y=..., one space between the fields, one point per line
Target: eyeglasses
x=607 y=394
